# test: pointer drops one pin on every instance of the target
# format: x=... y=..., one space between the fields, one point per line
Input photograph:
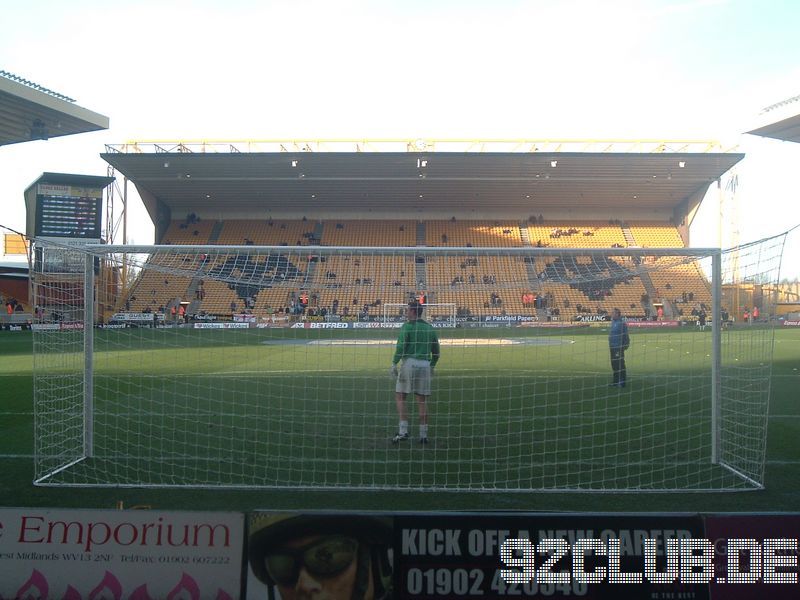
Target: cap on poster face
x=268 y=530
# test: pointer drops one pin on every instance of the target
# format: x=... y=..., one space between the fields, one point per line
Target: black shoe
x=423 y=440
x=399 y=438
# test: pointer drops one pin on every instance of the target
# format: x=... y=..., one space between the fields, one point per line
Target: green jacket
x=417 y=339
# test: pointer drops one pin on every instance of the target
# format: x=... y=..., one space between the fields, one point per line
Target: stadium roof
x=14 y=269
x=31 y=112
x=781 y=121
x=530 y=178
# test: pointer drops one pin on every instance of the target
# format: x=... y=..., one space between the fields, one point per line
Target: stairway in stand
x=524 y=233
x=629 y=239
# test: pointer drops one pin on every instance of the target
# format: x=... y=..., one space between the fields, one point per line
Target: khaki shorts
x=414 y=376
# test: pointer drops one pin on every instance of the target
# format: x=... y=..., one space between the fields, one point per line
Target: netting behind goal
x=441 y=315
x=268 y=367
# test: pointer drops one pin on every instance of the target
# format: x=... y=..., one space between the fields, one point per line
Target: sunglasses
x=323 y=558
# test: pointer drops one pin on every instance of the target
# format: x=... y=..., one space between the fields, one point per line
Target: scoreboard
x=66 y=211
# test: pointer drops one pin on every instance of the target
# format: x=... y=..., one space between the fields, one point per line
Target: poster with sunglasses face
x=321 y=556
x=450 y=555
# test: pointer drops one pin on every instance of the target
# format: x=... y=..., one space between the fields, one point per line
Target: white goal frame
x=50 y=475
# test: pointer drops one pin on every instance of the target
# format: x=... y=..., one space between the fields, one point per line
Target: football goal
x=251 y=367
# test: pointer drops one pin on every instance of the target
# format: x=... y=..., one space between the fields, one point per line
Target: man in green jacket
x=418 y=348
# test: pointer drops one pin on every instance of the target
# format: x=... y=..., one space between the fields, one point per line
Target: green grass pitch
x=198 y=407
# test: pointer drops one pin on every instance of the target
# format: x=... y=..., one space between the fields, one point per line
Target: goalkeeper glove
x=393 y=371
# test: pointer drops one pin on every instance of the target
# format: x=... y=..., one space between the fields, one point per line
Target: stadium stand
x=353 y=286
x=154 y=290
x=360 y=282
x=472 y=233
x=182 y=232
x=684 y=287
x=267 y=232
x=654 y=235
x=369 y=233
x=463 y=281
x=576 y=234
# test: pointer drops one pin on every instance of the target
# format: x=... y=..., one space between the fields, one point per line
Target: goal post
x=267 y=367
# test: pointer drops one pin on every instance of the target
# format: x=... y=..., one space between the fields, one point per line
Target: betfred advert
x=140 y=555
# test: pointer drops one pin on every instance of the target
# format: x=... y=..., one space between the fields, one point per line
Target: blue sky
x=410 y=69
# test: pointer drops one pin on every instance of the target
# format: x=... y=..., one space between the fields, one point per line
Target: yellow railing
x=521 y=145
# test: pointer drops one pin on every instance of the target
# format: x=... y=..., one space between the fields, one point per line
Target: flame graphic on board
x=36 y=587
x=72 y=594
x=186 y=584
x=109 y=584
x=223 y=595
x=140 y=593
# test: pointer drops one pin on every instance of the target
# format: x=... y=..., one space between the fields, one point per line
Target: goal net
x=443 y=315
x=249 y=366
